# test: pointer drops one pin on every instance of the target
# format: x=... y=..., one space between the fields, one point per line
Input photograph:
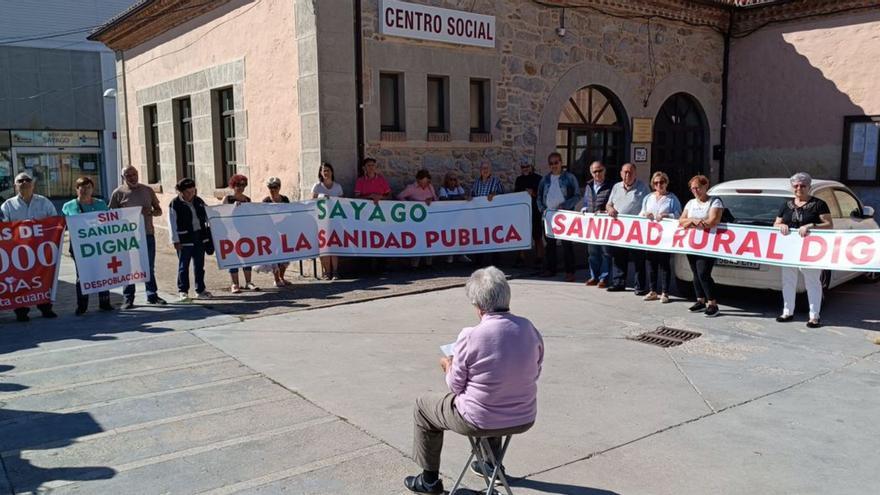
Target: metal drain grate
x=666 y=337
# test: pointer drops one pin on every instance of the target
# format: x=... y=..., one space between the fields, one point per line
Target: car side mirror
x=867 y=211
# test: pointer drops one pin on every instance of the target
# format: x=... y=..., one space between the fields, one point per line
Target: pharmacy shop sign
x=29 y=252
x=110 y=248
x=422 y=22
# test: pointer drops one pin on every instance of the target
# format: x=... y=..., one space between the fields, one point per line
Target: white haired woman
x=492 y=377
x=802 y=213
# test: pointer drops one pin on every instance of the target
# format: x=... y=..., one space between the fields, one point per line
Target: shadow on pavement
x=560 y=488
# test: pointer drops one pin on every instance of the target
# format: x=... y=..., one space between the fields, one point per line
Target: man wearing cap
x=131 y=193
x=28 y=206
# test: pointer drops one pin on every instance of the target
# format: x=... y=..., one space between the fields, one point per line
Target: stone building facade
x=582 y=78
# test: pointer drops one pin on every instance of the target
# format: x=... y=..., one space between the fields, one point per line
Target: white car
x=756 y=202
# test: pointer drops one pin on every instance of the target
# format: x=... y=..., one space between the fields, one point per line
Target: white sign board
x=422 y=22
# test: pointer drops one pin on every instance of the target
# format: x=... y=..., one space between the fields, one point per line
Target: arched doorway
x=680 y=141
x=592 y=126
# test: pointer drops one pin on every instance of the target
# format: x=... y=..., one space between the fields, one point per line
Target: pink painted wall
x=790 y=87
x=260 y=33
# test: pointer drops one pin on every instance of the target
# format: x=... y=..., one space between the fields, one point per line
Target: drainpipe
x=724 y=91
x=359 y=81
x=121 y=55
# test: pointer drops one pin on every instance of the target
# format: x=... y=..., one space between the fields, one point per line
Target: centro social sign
x=410 y=20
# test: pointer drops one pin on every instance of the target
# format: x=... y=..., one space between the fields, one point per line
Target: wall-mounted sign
x=643 y=130
x=422 y=22
x=640 y=154
x=59 y=139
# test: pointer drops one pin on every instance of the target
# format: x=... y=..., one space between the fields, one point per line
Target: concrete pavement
x=184 y=399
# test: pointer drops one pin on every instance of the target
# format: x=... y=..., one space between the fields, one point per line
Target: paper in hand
x=447 y=349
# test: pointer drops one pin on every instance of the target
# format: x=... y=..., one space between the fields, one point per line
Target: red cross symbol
x=114 y=264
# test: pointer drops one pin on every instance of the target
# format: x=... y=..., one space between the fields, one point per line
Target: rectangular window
x=479 y=110
x=151 y=128
x=187 y=153
x=860 y=150
x=437 y=109
x=227 y=134
x=390 y=99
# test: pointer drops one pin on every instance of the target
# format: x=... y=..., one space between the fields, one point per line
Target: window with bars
x=185 y=128
x=151 y=128
x=228 y=164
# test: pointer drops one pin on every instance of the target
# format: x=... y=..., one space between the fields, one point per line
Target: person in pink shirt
x=372 y=185
x=492 y=377
x=420 y=190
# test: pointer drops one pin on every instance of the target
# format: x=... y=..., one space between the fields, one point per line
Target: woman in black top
x=275 y=196
x=238 y=183
x=802 y=213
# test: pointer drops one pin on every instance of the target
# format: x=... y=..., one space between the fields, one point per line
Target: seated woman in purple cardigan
x=492 y=377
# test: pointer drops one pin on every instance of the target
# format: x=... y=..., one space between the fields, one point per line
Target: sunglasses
x=799 y=186
x=555 y=163
x=597 y=171
x=657 y=183
x=23 y=181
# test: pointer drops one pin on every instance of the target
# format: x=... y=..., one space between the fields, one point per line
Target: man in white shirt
x=28 y=206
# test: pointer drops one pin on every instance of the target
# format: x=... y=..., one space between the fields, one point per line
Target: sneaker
x=697 y=307
x=652 y=296
x=784 y=318
x=128 y=304
x=154 y=299
x=204 y=295
x=640 y=292
x=235 y=289
x=252 y=286
x=712 y=311
x=814 y=323
x=417 y=484
x=475 y=468
x=664 y=299
x=182 y=297
x=49 y=314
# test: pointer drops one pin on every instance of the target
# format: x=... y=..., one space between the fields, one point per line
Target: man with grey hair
x=492 y=376
x=626 y=198
x=26 y=205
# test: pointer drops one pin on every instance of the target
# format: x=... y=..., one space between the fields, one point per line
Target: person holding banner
x=702 y=212
x=131 y=193
x=626 y=198
x=26 y=205
x=371 y=185
x=558 y=189
x=596 y=195
x=657 y=206
x=803 y=213
x=238 y=183
x=188 y=223
x=84 y=203
x=275 y=196
x=328 y=187
x=529 y=181
x=452 y=190
x=486 y=184
x=420 y=190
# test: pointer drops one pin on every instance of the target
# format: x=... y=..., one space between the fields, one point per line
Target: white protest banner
x=852 y=250
x=110 y=248
x=355 y=227
x=263 y=233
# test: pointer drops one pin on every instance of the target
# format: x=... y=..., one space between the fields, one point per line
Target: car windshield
x=753 y=210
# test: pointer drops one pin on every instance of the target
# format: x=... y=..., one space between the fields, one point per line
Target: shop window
x=479 y=107
x=151 y=131
x=391 y=102
x=860 y=150
x=187 y=165
x=437 y=107
x=226 y=114
x=591 y=127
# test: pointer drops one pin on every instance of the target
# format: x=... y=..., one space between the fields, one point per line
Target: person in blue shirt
x=558 y=190
x=85 y=203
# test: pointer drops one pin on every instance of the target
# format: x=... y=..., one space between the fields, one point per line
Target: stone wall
x=641 y=62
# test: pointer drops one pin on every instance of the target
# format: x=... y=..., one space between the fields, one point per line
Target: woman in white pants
x=802 y=214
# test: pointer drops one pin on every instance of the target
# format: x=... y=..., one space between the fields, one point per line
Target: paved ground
x=186 y=399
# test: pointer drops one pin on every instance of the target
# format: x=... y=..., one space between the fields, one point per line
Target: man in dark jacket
x=528 y=181
x=188 y=224
x=595 y=199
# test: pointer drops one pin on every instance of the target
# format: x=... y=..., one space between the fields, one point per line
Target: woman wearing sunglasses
x=657 y=206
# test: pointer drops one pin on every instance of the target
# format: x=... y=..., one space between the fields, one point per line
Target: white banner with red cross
x=851 y=250
x=110 y=248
